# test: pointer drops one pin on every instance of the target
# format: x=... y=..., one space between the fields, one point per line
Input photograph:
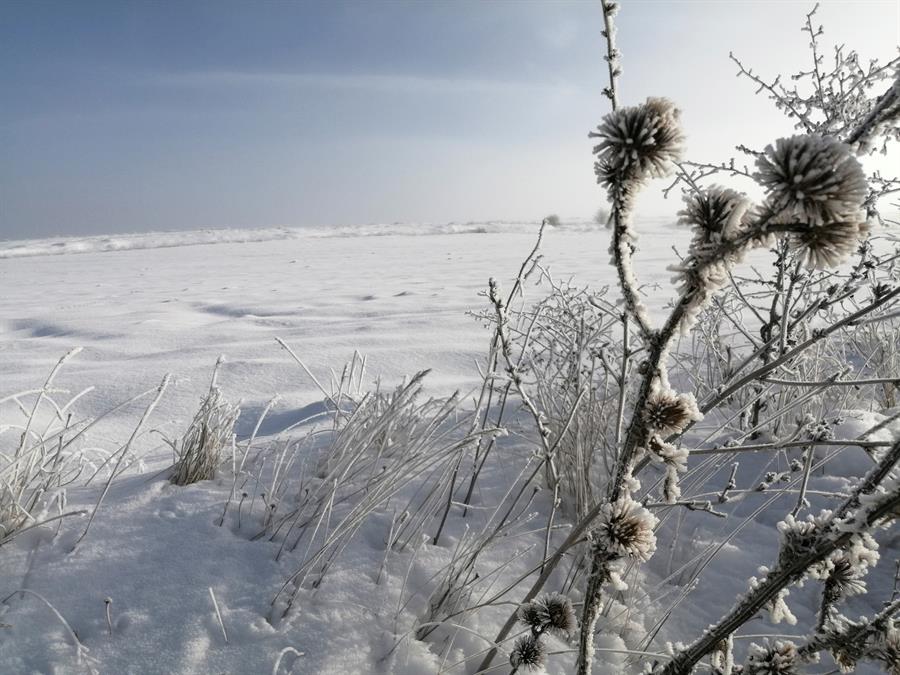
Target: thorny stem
x=886 y=108
x=612 y=54
x=591 y=612
x=623 y=378
x=857 y=634
x=621 y=249
x=791 y=568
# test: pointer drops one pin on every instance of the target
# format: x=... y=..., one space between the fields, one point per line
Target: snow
x=145 y=305
x=145 y=240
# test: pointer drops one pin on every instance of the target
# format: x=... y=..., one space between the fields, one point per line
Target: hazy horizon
x=127 y=117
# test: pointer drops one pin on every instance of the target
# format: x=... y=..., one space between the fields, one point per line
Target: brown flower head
x=554 y=612
x=625 y=528
x=667 y=412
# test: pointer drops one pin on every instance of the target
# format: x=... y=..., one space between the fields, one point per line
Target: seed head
x=716 y=212
x=812 y=179
x=626 y=529
x=780 y=659
x=528 y=653
x=668 y=413
x=553 y=612
x=826 y=246
x=844 y=579
x=638 y=142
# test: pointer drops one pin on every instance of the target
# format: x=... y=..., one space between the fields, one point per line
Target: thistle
x=798 y=536
x=825 y=246
x=638 y=142
x=780 y=659
x=552 y=612
x=812 y=179
x=844 y=580
x=816 y=183
x=715 y=214
x=626 y=529
x=667 y=412
x=528 y=653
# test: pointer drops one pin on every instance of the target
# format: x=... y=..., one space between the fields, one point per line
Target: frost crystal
x=887 y=650
x=626 y=529
x=779 y=610
x=675 y=461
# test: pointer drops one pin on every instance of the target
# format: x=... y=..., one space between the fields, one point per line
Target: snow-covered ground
x=149 y=304
x=142 y=306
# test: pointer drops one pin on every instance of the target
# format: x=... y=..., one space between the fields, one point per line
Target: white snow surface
x=126 y=242
x=145 y=305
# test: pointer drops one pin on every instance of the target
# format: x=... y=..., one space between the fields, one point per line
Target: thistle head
x=716 y=213
x=798 y=536
x=638 y=142
x=625 y=528
x=528 y=653
x=812 y=179
x=780 y=659
x=844 y=578
x=552 y=612
x=815 y=183
x=825 y=246
x=667 y=412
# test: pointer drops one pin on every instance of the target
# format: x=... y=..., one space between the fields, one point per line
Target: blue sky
x=128 y=116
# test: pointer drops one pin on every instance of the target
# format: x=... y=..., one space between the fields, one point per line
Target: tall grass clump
x=199 y=452
x=39 y=456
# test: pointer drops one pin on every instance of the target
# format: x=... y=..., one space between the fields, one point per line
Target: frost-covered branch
x=806 y=544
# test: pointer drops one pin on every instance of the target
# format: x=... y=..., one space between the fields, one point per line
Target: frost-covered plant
x=624 y=529
x=40 y=458
x=208 y=435
x=816 y=215
x=551 y=613
x=564 y=347
x=777 y=659
x=528 y=654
